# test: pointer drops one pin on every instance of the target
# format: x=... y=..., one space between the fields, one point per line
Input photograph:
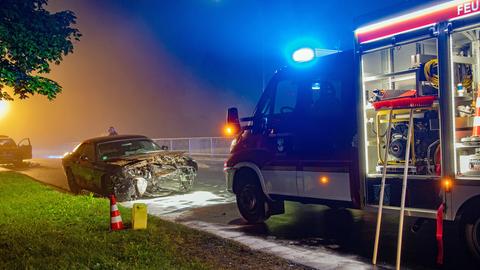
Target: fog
x=144 y=70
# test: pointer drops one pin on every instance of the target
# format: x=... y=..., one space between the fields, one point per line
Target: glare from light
x=4 y=106
x=447 y=184
x=228 y=130
x=324 y=180
x=303 y=55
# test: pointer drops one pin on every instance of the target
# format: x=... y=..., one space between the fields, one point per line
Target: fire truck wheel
x=251 y=202
x=471 y=230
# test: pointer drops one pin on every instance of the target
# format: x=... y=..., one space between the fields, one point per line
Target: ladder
x=404 y=188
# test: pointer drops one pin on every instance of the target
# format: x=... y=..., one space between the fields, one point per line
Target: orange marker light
x=447 y=184
x=229 y=130
x=324 y=180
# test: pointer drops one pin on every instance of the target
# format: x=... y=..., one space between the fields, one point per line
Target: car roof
x=114 y=138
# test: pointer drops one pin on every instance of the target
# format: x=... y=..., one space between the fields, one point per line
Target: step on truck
x=393 y=125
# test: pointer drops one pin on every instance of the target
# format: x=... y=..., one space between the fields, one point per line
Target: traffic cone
x=116 y=223
x=476 y=119
x=475 y=138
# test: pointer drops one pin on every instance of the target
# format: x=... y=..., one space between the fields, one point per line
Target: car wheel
x=187 y=179
x=471 y=233
x=72 y=184
x=251 y=202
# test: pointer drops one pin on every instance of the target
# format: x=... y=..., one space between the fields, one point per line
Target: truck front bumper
x=229 y=173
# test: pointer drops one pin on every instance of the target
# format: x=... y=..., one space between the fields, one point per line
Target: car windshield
x=125 y=148
x=7 y=142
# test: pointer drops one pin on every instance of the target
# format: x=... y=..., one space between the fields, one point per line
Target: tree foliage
x=31 y=39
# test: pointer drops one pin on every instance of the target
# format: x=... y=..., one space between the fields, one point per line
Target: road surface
x=342 y=237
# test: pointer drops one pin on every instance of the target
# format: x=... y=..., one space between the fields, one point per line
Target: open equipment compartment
x=430 y=52
x=394 y=76
x=465 y=59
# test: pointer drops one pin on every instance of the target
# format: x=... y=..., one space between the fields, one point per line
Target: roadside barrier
x=210 y=146
x=116 y=223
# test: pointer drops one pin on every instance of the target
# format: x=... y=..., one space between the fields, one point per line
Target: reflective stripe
x=116 y=219
x=114 y=208
x=476 y=121
x=477 y=103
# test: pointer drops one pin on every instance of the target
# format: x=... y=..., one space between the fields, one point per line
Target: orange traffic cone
x=476 y=120
x=475 y=138
x=116 y=223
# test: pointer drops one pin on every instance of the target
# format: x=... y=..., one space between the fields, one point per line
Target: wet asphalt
x=348 y=232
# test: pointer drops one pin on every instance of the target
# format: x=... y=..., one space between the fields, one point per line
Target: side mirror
x=233 y=122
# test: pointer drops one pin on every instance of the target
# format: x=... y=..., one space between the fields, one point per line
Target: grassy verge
x=42 y=228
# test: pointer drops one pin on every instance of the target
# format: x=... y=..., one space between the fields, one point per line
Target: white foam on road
x=318 y=259
x=169 y=205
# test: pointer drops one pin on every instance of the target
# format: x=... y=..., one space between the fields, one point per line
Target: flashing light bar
x=303 y=55
x=307 y=54
x=419 y=19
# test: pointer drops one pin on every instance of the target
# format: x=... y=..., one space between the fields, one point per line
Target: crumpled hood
x=149 y=174
x=152 y=157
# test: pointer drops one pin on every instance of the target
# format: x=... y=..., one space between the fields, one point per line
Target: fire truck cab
x=300 y=143
x=320 y=134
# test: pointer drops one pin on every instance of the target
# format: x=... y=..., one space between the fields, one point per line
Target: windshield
x=125 y=148
x=7 y=142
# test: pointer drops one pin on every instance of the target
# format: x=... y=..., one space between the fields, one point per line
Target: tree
x=31 y=39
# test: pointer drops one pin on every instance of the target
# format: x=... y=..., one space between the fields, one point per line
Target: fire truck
x=393 y=126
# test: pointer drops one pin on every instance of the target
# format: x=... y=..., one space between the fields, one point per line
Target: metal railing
x=214 y=146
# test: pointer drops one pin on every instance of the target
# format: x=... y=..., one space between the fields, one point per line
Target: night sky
x=171 y=68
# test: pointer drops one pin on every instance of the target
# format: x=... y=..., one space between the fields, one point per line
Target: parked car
x=12 y=153
x=128 y=166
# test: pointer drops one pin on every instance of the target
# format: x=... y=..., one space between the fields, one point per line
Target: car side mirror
x=233 y=121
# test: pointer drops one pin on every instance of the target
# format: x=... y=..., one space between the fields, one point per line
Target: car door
x=83 y=167
x=25 y=148
x=280 y=173
x=90 y=171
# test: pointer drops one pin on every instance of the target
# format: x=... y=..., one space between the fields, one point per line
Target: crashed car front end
x=153 y=175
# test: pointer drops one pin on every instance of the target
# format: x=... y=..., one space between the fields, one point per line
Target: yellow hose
x=432 y=78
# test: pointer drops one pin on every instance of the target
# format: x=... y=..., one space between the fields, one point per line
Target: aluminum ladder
x=404 y=189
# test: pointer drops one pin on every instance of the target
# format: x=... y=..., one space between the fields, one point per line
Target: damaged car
x=128 y=166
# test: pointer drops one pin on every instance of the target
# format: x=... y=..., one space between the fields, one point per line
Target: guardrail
x=214 y=146
x=210 y=146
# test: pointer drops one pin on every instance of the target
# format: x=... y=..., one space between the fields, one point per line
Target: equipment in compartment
x=424 y=144
x=474 y=163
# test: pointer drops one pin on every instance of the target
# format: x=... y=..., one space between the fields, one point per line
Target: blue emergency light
x=303 y=55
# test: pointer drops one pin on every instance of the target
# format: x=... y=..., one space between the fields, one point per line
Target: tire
x=72 y=184
x=187 y=180
x=471 y=233
x=251 y=201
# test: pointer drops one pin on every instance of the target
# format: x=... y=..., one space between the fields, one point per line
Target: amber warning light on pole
x=228 y=130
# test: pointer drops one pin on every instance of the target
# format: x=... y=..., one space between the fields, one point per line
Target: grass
x=41 y=228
